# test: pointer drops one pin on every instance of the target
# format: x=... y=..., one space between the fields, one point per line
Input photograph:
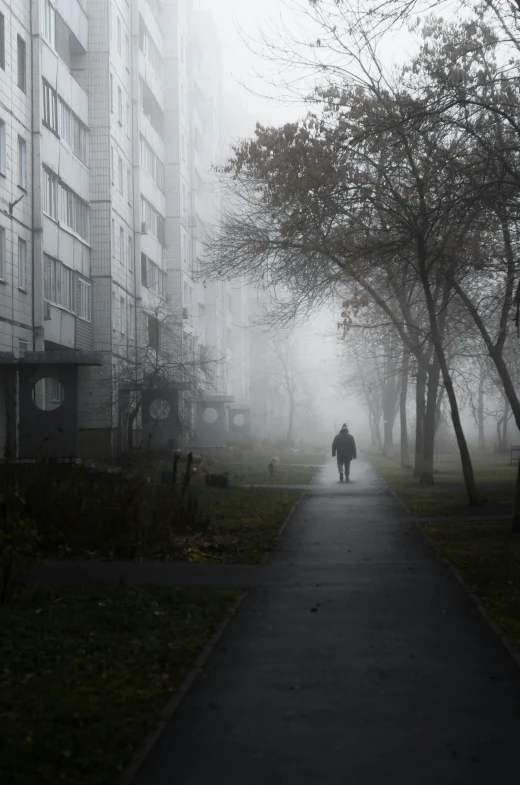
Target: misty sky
x=318 y=348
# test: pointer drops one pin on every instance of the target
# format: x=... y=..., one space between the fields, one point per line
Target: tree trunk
x=430 y=416
x=495 y=352
x=516 y=514
x=480 y=415
x=130 y=426
x=405 y=455
x=438 y=408
x=504 y=424
x=289 y=437
x=373 y=439
x=388 y=447
x=467 y=467
x=420 y=406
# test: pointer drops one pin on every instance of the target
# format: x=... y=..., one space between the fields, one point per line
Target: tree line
x=398 y=193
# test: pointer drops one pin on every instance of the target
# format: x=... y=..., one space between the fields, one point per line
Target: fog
x=326 y=352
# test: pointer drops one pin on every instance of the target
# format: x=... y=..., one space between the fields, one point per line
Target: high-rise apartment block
x=110 y=122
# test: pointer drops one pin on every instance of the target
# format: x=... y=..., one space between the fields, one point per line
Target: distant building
x=110 y=120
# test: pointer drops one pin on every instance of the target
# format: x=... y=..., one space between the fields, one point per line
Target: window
x=148 y=48
x=128 y=52
x=50 y=194
x=151 y=163
x=49 y=22
x=65 y=123
x=21 y=63
x=22 y=163
x=50 y=107
x=130 y=254
x=73 y=211
x=120 y=105
x=182 y=48
x=155 y=222
x=120 y=174
x=22 y=264
x=122 y=311
x=128 y=120
x=112 y=93
x=112 y=164
x=118 y=27
x=23 y=347
x=121 y=244
x=183 y=147
x=72 y=131
x=2 y=253
x=84 y=311
x=113 y=236
x=116 y=308
x=57 y=391
x=59 y=284
x=129 y=185
x=152 y=276
x=2 y=147
x=130 y=313
x=153 y=332
x=2 y=42
x=151 y=109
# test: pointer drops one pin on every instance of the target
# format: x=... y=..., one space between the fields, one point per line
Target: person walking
x=344 y=447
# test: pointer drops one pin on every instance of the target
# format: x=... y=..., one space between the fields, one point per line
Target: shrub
x=18 y=541
x=78 y=512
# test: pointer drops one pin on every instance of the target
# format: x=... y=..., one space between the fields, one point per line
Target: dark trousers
x=344 y=466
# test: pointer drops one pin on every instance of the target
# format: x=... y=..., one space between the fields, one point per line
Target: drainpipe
x=36 y=221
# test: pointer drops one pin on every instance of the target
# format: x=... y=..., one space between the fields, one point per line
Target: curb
x=403 y=505
x=290 y=515
x=179 y=695
x=499 y=632
x=496 y=629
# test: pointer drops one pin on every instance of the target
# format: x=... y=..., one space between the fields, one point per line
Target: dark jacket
x=344 y=445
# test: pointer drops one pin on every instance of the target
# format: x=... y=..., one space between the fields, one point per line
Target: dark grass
x=487 y=555
x=85 y=671
x=243 y=529
x=494 y=474
x=251 y=467
x=485 y=552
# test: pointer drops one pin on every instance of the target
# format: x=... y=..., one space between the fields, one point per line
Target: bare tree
x=154 y=366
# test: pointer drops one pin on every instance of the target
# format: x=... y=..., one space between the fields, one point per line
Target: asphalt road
x=356 y=659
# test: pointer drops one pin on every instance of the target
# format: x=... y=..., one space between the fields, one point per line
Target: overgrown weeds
x=72 y=510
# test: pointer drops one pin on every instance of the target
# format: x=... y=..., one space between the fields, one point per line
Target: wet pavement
x=356 y=659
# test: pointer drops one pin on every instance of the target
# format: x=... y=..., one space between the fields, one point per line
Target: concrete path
x=358 y=661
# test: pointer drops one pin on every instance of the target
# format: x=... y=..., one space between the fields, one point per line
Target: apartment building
x=110 y=121
x=45 y=296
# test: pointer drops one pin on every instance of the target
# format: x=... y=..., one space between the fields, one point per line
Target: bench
x=515 y=448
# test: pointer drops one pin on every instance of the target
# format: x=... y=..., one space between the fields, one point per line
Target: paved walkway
x=357 y=660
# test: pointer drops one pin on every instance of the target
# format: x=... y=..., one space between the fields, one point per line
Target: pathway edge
x=175 y=701
x=496 y=629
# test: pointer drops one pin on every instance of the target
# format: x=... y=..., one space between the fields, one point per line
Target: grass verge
x=487 y=556
x=494 y=474
x=85 y=672
x=485 y=552
x=243 y=529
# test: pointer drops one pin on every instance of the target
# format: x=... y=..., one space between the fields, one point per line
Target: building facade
x=110 y=122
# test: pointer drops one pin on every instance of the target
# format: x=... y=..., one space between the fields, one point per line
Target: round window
x=160 y=409
x=48 y=394
x=210 y=415
x=238 y=420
